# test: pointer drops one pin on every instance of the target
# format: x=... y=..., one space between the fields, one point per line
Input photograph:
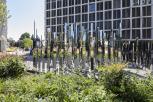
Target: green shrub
x=113 y=86
x=137 y=90
x=53 y=88
x=126 y=88
x=111 y=77
x=11 y=67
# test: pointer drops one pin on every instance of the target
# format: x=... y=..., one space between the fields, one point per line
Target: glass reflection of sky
x=92 y=7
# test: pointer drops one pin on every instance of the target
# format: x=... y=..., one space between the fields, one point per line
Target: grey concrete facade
x=135 y=16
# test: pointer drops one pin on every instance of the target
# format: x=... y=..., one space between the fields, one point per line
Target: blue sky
x=23 y=13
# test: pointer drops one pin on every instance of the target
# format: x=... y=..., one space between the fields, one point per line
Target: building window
x=48 y=22
x=146 y=22
x=59 y=4
x=116 y=24
x=92 y=17
x=108 y=14
x=53 y=13
x=71 y=19
x=99 y=15
x=53 y=5
x=108 y=25
x=146 y=2
x=146 y=33
x=84 y=1
x=126 y=13
x=77 y=2
x=91 y=0
x=116 y=14
x=59 y=12
x=100 y=25
x=53 y=28
x=77 y=9
x=136 y=2
x=59 y=29
x=59 y=20
x=78 y=18
x=108 y=5
x=53 y=21
x=48 y=6
x=125 y=3
x=47 y=1
x=136 y=23
x=85 y=25
x=136 y=12
x=84 y=17
x=65 y=20
x=84 y=8
x=117 y=3
x=135 y=33
x=65 y=3
x=125 y=23
x=71 y=2
x=99 y=6
x=126 y=34
x=48 y=14
x=71 y=10
x=92 y=7
x=146 y=11
x=65 y=11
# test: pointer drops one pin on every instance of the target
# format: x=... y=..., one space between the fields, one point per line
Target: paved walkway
x=139 y=72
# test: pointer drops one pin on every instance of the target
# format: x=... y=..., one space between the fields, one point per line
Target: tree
x=3 y=14
x=27 y=43
x=25 y=35
x=11 y=41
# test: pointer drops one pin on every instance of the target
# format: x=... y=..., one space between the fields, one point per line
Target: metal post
x=151 y=66
x=92 y=47
x=109 y=48
x=137 y=44
x=103 y=48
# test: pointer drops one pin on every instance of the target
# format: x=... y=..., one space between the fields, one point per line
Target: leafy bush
x=113 y=86
x=126 y=88
x=53 y=88
x=11 y=66
x=137 y=90
x=111 y=77
x=27 y=43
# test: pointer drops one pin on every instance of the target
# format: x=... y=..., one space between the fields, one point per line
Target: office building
x=134 y=16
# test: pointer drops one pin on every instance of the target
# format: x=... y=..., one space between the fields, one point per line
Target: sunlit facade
x=135 y=16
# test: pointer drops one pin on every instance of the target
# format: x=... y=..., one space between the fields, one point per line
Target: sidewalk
x=139 y=72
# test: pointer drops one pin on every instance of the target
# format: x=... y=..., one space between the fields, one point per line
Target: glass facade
x=135 y=16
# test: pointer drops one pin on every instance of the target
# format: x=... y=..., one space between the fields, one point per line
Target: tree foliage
x=25 y=35
x=27 y=43
x=11 y=41
x=3 y=12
